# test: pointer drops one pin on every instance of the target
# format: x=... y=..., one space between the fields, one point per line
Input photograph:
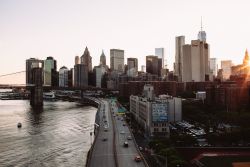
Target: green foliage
x=163 y=148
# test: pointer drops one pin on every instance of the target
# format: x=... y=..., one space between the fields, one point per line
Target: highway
x=112 y=152
x=125 y=155
x=103 y=153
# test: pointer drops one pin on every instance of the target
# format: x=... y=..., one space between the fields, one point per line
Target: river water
x=57 y=135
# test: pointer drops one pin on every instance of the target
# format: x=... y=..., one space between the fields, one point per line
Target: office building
x=213 y=66
x=81 y=75
x=71 y=77
x=117 y=60
x=103 y=59
x=179 y=42
x=242 y=70
x=86 y=59
x=226 y=69
x=143 y=68
x=77 y=60
x=132 y=64
x=195 y=65
x=155 y=113
x=202 y=34
x=63 y=76
x=99 y=73
x=31 y=63
x=152 y=65
x=159 y=52
x=50 y=72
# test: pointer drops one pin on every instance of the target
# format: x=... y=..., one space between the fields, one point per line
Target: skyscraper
x=160 y=53
x=152 y=65
x=132 y=67
x=81 y=75
x=86 y=59
x=49 y=71
x=213 y=66
x=99 y=71
x=63 y=76
x=117 y=60
x=31 y=63
x=103 y=59
x=179 y=42
x=195 y=62
x=226 y=69
x=202 y=34
x=246 y=59
x=77 y=60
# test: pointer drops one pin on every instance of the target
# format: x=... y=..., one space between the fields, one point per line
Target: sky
x=63 y=28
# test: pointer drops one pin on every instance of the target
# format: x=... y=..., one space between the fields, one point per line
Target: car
x=129 y=138
x=137 y=158
x=105 y=128
x=123 y=124
x=125 y=144
x=104 y=139
x=122 y=132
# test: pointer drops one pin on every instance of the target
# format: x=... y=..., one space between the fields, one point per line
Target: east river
x=57 y=135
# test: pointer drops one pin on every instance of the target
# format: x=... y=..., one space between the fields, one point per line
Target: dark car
x=125 y=144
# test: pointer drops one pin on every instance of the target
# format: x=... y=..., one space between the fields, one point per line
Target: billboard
x=159 y=112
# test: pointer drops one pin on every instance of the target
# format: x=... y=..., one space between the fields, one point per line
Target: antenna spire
x=201 y=23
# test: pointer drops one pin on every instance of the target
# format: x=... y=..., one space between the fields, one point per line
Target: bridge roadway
x=112 y=153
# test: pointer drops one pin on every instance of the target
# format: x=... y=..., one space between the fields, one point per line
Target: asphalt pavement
x=125 y=155
x=103 y=154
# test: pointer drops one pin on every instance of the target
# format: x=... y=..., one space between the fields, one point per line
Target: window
x=156 y=129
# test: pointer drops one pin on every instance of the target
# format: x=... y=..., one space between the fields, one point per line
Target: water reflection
x=50 y=136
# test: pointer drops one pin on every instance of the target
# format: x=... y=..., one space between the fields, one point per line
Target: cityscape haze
x=62 y=29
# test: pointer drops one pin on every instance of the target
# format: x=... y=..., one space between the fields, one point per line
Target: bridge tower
x=36 y=91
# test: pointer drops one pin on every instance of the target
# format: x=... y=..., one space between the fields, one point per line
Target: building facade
x=213 y=66
x=117 y=60
x=86 y=59
x=63 y=77
x=152 y=65
x=154 y=114
x=99 y=72
x=81 y=75
x=179 y=42
x=132 y=67
x=226 y=69
x=49 y=71
x=32 y=63
x=195 y=65
x=103 y=59
x=160 y=53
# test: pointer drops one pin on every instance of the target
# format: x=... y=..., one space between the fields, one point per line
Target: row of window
x=163 y=129
x=160 y=124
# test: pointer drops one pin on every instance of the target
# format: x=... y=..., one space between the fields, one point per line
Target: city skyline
x=62 y=30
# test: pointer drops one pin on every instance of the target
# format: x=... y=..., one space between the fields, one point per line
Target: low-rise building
x=155 y=113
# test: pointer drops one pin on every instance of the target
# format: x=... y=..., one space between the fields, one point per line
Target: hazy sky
x=63 y=28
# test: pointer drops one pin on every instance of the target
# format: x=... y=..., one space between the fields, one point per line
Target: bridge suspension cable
x=12 y=73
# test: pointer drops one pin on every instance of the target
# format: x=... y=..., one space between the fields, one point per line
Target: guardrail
x=89 y=155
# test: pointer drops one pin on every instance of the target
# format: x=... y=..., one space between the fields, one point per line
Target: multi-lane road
x=109 y=149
